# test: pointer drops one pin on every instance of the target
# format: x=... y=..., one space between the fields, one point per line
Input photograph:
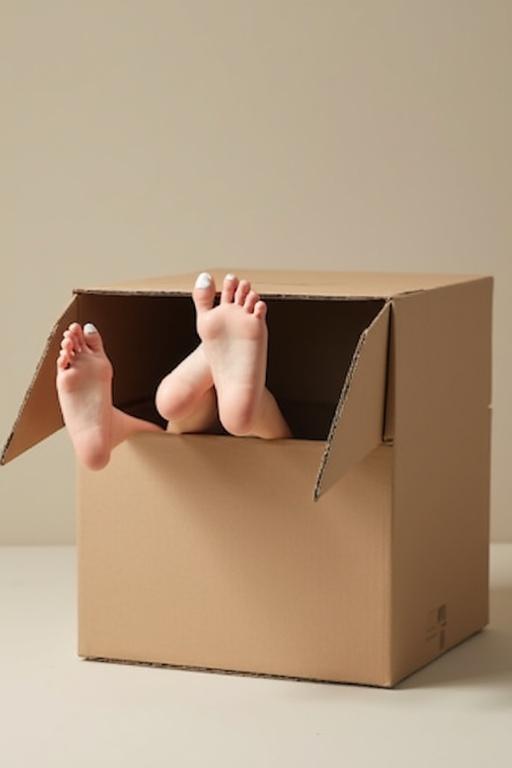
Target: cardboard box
x=356 y=551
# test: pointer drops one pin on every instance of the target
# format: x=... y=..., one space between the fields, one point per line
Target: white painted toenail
x=204 y=280
x=229 y=277
x=90 y=328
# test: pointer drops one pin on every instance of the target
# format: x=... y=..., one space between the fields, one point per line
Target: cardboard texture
x=356 y=551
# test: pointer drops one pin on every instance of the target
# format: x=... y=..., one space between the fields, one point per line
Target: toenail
x=204 y=280
x=230 y=277
x=90 y=328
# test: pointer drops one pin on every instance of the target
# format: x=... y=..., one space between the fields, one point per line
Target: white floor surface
x=57 y=710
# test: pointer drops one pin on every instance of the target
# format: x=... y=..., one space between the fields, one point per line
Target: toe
x=78 y=336
x=62 y=360
x=70 y=330
x=75 y=334
x=68 y=347
x=241 y=292
x=228 y=289
x=70 y=336
x=250 y=301
x=260 y=309
x=92 y=338
x=204 y=292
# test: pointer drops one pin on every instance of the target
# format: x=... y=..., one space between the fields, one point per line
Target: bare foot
x=234 y=336
x=84 y=388
x=186 y=396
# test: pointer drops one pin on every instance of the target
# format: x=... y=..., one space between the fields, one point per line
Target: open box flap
x=39 y=415
x=358 y=423
x=295 y=283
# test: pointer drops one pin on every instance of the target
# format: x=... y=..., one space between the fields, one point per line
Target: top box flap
x=296 y=283
x=358 y=423
x=40 y=415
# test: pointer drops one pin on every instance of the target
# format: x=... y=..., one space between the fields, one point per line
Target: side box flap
x=358 y=423
x=39 y=415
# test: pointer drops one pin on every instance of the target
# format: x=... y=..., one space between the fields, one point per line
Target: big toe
x=204 y=292
x=93 y=338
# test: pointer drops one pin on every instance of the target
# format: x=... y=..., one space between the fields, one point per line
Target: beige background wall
x=139 y=138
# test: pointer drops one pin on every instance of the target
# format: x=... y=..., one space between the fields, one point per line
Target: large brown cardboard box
x=356 y=551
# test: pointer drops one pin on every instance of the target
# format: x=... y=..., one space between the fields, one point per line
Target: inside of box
x=311 y=344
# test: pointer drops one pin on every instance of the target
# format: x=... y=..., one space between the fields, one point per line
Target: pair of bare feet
x=222 y=382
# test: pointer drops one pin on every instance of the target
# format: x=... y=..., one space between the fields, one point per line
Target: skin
x=221 y=383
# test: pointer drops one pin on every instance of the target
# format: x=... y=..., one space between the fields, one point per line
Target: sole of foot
x=234 y=336
x=84 y=388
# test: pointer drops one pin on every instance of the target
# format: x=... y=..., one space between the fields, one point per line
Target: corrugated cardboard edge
x=234 y=672
x=392 y=683
x=388 y=434
x=10 y=449
x=262 y=294
x=359 y=351
x=295 y=282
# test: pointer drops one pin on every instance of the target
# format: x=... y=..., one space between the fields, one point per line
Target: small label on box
x=436 y=626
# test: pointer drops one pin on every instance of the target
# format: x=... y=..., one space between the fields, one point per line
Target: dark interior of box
x=311 y=344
